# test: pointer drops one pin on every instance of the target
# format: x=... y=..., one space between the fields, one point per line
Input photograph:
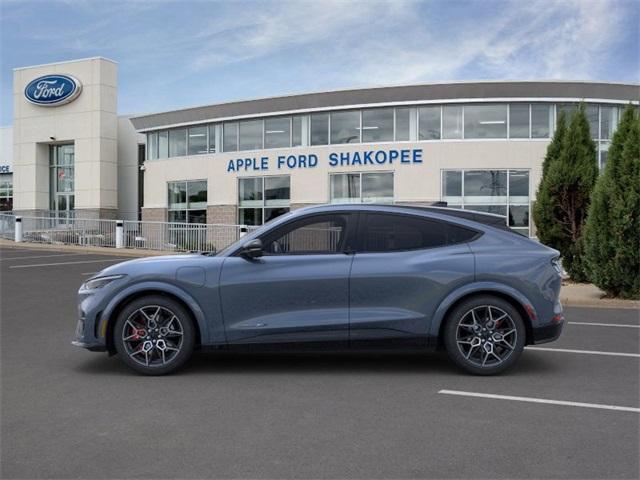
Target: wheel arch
x=510 y=295
x=117 y=304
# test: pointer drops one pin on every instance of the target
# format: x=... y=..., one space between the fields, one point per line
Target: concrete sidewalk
x=572 y=294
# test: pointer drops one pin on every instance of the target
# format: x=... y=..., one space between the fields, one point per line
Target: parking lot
x=69 y=413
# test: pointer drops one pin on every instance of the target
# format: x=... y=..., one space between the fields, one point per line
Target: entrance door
x=62 y=181
x=298 y=290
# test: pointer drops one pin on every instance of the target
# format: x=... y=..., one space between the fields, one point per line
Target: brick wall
x=224 y=214
x=154 y=214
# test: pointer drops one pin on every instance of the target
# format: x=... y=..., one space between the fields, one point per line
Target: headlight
x=96 y=283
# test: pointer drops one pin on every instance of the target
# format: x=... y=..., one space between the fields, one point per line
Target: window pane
x=320 y=129
x=251 y=135
x=178 y=216
x=518 y=186
x=230 y=137
x=212 y=138
x=568 y=109
x=541 y=120
x=345 y=188
x=64 y=179
x=429 y=123
x=152 y=146
x=250 y=216
x=318 y=236
x=250 y=192
x=452 y=186
x=277 y=132
x=377 y=187
x=485 y=121
x=403 y=124
x=592 y=117
x=608 y=122
x=271 y=213
x=296 y=131
x=604 y=152
x=177 y=195
x=384 y=233
x=345 y=127
x=485 y=186
x=495 y=209
x=178 y=142
x=452 y=121
x=197 y=216
x=197 y=140
x=277 y=190
x=163 y=144
x=519 y=120
x=197 y=193
x=519 y=216
x=377 y=125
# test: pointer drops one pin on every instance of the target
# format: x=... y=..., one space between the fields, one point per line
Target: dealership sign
x=359 y=158
x=5 y=168
x=53 y=90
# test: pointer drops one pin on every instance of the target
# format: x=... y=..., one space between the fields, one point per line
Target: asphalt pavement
x=569 y=410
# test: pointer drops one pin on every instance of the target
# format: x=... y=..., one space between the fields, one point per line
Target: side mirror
x=252 y=249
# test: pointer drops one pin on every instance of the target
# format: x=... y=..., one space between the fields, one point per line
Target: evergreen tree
x=612 y=233
x=564 y=195
x=548 y=231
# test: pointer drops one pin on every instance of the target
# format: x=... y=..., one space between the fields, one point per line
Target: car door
x=404 y=267
x=298 y=290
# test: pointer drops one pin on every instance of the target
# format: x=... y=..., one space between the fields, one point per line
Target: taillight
x=555 y=262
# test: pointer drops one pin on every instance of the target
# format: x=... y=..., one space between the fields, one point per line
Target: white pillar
x=18 y=230
x=119 y=234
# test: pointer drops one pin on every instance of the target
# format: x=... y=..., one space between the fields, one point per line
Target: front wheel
x=154 y=335
x=484 y=335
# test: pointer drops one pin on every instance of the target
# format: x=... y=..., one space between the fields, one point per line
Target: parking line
x=604 y=324
x=42 y=256
x=540 y=400
x=586 y=352
x=69 y=263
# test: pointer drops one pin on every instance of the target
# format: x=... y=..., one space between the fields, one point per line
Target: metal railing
x=181 y=236
x=7 y=226
x=69 y=231
x=162 y=236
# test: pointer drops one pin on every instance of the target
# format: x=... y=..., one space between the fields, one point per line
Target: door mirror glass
x=252 y=249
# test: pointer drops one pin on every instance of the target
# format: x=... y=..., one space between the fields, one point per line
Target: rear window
x=390 y=232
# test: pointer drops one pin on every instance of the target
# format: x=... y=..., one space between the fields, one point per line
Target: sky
x=176 y=54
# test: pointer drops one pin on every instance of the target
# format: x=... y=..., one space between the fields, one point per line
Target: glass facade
x=261 y=199
x=502 y=192
x=187 y=201
x=384 y=124
x=370 y=187
x=6 y=192
x=61 y=179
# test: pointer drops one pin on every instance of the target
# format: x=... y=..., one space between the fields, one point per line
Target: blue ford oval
x=52 y=90
x=346 y=276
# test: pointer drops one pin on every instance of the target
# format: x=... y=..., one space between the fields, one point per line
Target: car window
x=389 y=232
x=314 y=235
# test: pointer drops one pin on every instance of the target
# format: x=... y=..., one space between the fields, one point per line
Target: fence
x=163 y=236
x=7 y=226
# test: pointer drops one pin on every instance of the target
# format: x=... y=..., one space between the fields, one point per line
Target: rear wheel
x=154 y=335
x=484 y=335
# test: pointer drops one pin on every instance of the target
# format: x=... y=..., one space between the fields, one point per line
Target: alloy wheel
x=486 y=336
x=152 y=336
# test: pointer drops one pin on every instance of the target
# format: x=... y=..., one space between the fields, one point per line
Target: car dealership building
x=474 y=145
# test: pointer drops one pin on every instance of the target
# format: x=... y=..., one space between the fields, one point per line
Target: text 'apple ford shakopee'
x=345 y=276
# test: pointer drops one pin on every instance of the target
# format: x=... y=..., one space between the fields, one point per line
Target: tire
x=154 y=335
x=488 y=351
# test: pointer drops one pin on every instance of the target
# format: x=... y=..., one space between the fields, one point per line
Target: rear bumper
x=548 y=333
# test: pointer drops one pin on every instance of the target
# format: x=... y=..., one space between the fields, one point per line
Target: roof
x=407 y=94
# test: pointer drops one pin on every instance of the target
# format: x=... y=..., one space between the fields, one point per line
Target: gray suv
x=338 y=276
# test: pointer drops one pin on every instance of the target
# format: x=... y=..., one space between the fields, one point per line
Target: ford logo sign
x=53 y=90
